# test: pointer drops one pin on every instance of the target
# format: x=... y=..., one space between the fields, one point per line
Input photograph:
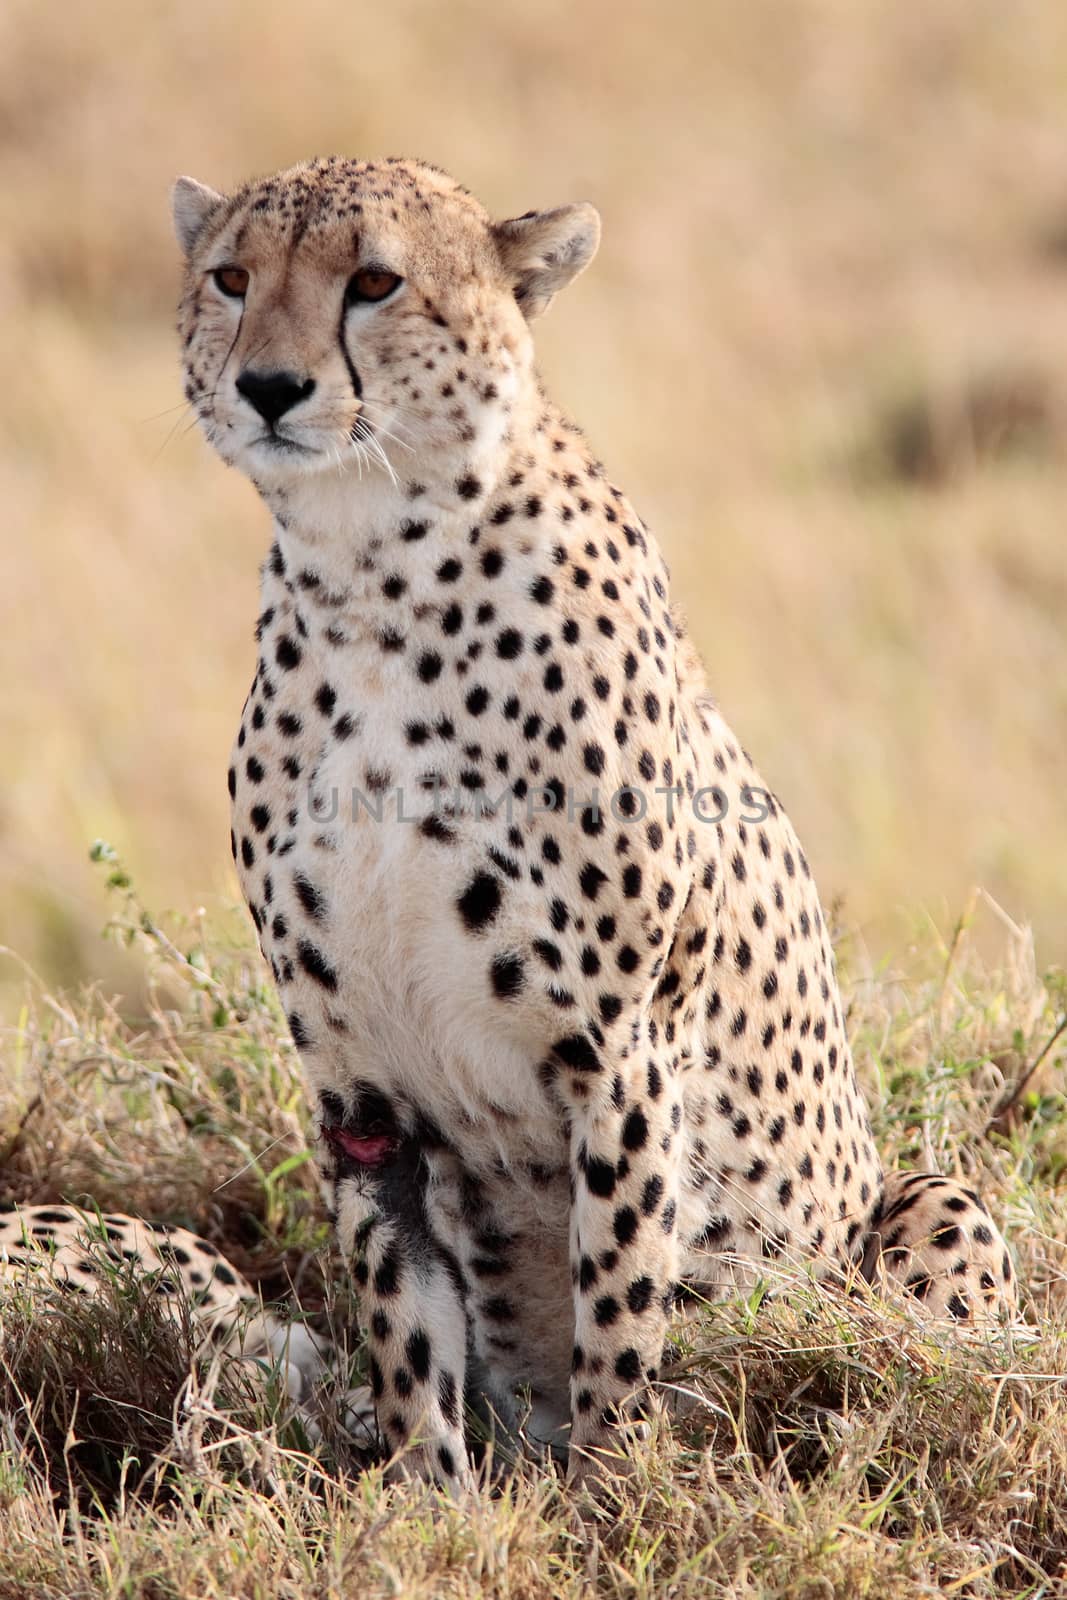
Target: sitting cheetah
x=549 y=949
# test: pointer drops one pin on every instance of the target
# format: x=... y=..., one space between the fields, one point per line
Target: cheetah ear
x=542 y=251
x=192 y=204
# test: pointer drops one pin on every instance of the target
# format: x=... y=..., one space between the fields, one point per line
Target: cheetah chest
x=356 y=844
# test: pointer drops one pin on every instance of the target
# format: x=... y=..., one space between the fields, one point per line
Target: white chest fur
x=358 y=728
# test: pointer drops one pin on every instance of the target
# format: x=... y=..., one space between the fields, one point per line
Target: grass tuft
x=96 y=1392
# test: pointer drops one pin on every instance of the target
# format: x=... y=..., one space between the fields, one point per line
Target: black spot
x=432 y=827
x=639 y=1296
x=577 y=1052
x=549 y=953
x=316 y=966
x=600 y=1178
x=287 y=653
x=507 y=976
x=631 y=881
x=591 y=879
x=628 y=1366
x=945 y=1238
x=635 y=1130
x=480 y=901
x=625 y=1224
x=418 y=1354
x=301 y=1037
x=606 y=1311
x=310 y=897
x=499 y=1309
x=387 y=1277
x=446 y=1394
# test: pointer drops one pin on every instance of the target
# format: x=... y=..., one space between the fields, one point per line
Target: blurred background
x=823 y=349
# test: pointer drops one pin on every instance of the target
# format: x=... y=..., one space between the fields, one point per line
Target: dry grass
x=821 y=348
x=819 y=1446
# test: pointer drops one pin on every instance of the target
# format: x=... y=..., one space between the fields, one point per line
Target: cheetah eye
x=232 y=281
x=371 y=284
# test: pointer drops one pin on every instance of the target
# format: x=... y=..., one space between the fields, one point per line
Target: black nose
x=273 y=393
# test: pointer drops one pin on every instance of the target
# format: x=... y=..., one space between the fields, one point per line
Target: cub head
x=365 y=316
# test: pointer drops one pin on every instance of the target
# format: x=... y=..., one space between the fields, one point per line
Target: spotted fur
x=936 y=1240
x=549 y=947
x=62 y=1249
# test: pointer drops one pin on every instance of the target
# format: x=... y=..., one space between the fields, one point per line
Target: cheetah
x=50 y=1249
x=548 y=947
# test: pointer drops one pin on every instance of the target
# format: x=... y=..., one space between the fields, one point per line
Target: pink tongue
x=369 y=1152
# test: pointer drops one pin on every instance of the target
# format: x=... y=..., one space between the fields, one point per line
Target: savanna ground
x=822 y=347
x=825 y=1445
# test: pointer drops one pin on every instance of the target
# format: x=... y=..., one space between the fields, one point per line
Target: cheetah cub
x=549 y=949
x=48 y=1249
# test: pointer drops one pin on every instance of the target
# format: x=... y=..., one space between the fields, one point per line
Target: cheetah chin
x=549 y=948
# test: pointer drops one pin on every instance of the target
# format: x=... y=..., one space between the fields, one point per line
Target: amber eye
x=232 y=281
x=373 y=283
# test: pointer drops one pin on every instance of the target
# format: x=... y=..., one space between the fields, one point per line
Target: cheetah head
x=357 y=316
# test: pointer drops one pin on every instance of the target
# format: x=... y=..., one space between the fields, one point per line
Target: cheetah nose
x=272 y=394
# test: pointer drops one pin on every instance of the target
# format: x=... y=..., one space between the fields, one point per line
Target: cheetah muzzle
x=548 y=947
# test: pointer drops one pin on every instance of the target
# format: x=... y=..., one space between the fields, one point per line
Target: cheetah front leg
x=416 y=1335
x=625 y=1167
x=411 y=1305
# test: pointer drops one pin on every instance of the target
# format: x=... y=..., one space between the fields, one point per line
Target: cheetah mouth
x=366 y=1150
x=279 y=443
